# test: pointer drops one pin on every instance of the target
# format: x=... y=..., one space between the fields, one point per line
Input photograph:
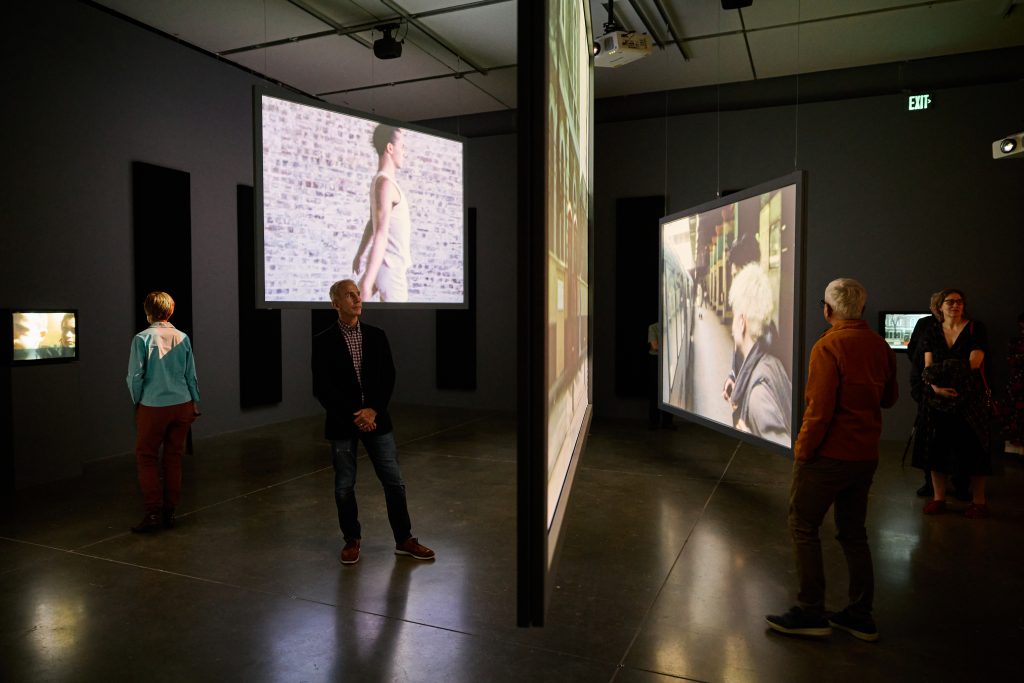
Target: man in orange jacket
x=851 y=377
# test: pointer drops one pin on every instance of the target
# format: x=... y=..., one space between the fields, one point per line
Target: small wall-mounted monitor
x=897 y=326
x=42 y=335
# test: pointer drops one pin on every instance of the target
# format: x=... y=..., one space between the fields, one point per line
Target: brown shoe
x=151 y=522
x=413 y=549
x=350 y=553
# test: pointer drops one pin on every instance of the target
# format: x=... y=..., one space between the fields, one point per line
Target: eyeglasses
x=953 y=302
x=823 y=302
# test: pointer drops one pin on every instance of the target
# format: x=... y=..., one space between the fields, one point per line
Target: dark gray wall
x=104 y=93
x=906 y=202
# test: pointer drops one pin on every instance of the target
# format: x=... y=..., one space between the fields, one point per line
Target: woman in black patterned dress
x=955 y=439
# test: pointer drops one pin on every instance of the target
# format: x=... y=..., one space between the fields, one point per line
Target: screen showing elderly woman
x=727 y=280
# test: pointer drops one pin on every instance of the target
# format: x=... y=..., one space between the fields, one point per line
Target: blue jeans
x=384 y=457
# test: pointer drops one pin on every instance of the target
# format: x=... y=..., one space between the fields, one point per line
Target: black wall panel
x=162 y=227
x=6 y=427
x=636 y=296
x=259 y=330
x=456 y=329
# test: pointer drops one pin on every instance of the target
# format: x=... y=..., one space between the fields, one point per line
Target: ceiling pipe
x=660 y=6
x=312 y=11
x=647 y=24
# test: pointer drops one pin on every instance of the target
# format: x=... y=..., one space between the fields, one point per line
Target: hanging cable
x=718 y=109
x=796 y=107
x=458 y=96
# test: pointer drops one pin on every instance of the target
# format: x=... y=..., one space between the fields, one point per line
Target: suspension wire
x=718 y=110
x=796 y=108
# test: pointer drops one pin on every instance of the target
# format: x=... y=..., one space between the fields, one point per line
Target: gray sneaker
x=859 y=627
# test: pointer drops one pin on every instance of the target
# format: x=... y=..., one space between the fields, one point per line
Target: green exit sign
x=916 y=102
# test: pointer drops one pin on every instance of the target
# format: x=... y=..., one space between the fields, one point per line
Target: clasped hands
x=365 y=419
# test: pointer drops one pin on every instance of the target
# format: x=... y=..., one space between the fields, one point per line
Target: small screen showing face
x=44 y=335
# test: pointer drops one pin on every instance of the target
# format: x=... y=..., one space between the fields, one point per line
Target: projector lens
x=1008 y=145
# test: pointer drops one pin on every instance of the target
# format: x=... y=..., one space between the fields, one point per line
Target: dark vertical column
x=531 y=428
x=455 y=365
x=637 y=262
x=162 y=223
x=259 y=330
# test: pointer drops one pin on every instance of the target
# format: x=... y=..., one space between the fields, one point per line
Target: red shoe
x=350 y=553
x=935 y=507
x=412 y=548
x=976 y=511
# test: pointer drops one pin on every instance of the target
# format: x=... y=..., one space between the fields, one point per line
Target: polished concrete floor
x=675 y=548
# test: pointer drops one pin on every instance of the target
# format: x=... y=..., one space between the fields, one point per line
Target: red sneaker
x=935 y=507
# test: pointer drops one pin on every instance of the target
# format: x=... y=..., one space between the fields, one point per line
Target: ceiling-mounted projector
x=1010 y=146
x=616 y=48
x=387 y=47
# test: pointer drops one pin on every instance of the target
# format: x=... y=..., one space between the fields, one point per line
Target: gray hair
x=847 y=298
x=335 y=291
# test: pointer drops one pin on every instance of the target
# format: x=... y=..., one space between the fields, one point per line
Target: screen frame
x=277 y=92
x=8 y=335
x=881 y=324
x=538 y=544
x=799 y=179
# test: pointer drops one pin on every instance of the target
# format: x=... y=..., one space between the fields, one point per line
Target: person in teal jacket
x=164 y=389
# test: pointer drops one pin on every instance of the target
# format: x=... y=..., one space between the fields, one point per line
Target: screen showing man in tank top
x=340 y=195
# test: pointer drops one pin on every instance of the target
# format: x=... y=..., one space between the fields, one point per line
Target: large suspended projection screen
x=562 y=291
x=342 y=195
x=729 y=279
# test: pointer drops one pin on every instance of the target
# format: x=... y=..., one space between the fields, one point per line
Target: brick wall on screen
x=317 y=170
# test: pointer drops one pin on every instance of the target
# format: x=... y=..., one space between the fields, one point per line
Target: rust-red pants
x=167 y=426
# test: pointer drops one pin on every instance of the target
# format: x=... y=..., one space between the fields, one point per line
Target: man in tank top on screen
x=384 y=254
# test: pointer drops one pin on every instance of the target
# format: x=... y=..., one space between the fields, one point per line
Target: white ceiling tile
x=345 y=12
x=418 y=101
x=882 y=37
x=486 y=35
x=701 y=18
x=712 y=60
x=217 y=25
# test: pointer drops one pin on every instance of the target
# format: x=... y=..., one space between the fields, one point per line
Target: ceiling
x=459 y=55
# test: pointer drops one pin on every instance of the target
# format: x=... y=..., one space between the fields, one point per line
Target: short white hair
x=751 y=296
x=847 y=298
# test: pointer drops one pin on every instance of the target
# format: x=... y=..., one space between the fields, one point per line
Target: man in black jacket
x=353 y=377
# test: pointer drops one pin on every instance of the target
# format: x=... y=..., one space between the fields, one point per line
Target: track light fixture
x=387 y=47
x=1009 y=146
